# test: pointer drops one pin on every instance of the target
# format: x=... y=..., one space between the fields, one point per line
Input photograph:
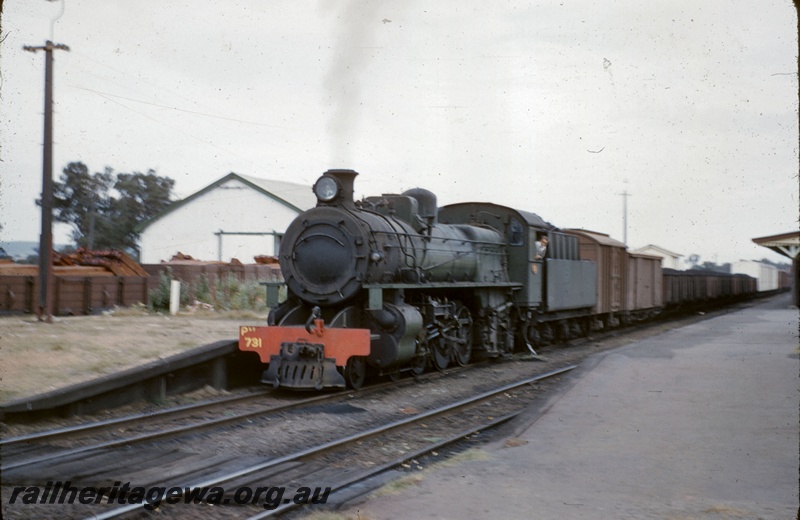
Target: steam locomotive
x=393 y=283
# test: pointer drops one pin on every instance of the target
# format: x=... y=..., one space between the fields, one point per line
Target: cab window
x=515 y=233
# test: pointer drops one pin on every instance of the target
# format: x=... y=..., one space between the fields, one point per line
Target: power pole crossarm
x=48 y=46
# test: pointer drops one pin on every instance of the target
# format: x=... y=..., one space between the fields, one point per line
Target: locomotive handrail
x=435 y=285
x=443 y=239
x=392 y=224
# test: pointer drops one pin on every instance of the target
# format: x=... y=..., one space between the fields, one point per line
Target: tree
x=105 y=208
x=32 y=259
x=713 y=267
x=141 y=197
x=3 y=254
x=82 y=199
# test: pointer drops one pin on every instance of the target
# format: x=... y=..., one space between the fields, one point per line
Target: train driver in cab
x=541 y=247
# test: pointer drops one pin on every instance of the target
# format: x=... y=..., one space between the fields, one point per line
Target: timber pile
x=266 y=260
x=115 y=261
x=84 y=283
x=184 y=259
x=82 y=262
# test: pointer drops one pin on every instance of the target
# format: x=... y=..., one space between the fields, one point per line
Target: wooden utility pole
x=45 y=309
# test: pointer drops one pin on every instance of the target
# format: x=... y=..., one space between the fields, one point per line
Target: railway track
x=319 y=462
x=170 y=422
x=191 y=459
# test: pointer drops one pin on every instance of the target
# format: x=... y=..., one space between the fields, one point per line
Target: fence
x=73 y=295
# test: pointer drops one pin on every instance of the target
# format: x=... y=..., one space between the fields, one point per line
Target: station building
x=766 y=275
x=237 y=216
x=788 y=245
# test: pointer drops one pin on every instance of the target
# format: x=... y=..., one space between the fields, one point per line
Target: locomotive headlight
x=326 y=188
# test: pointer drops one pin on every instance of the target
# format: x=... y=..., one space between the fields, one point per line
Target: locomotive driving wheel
x=440 y=353
x=418 y=364
x=355 y=372
x=462 y=333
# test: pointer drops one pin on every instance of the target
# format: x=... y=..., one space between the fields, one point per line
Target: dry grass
x=721 y=512
x=415 y=479
x=37 y=357
x=397 y=486
x=472 y=454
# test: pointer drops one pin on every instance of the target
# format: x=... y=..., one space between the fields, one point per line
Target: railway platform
x=700 y=422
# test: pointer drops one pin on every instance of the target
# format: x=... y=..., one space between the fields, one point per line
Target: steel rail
x=168 y=432
x=389 y=465
x=217 y=480
x=209 y=423
x=88 y=426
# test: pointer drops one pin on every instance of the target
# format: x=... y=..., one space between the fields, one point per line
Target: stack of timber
x=85 y=282
x=115 y=262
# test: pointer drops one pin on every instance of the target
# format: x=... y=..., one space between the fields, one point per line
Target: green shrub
x=158 y=298
x=228 y=293
x=202 y=289
x=232 y=294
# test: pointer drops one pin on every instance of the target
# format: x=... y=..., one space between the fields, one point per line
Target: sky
x=553 y=107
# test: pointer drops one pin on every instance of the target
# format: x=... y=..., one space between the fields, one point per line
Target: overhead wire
x=104 y=94
x=174 y=128
x=108 y=96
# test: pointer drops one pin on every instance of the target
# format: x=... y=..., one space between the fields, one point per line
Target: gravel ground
x=38 y=357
